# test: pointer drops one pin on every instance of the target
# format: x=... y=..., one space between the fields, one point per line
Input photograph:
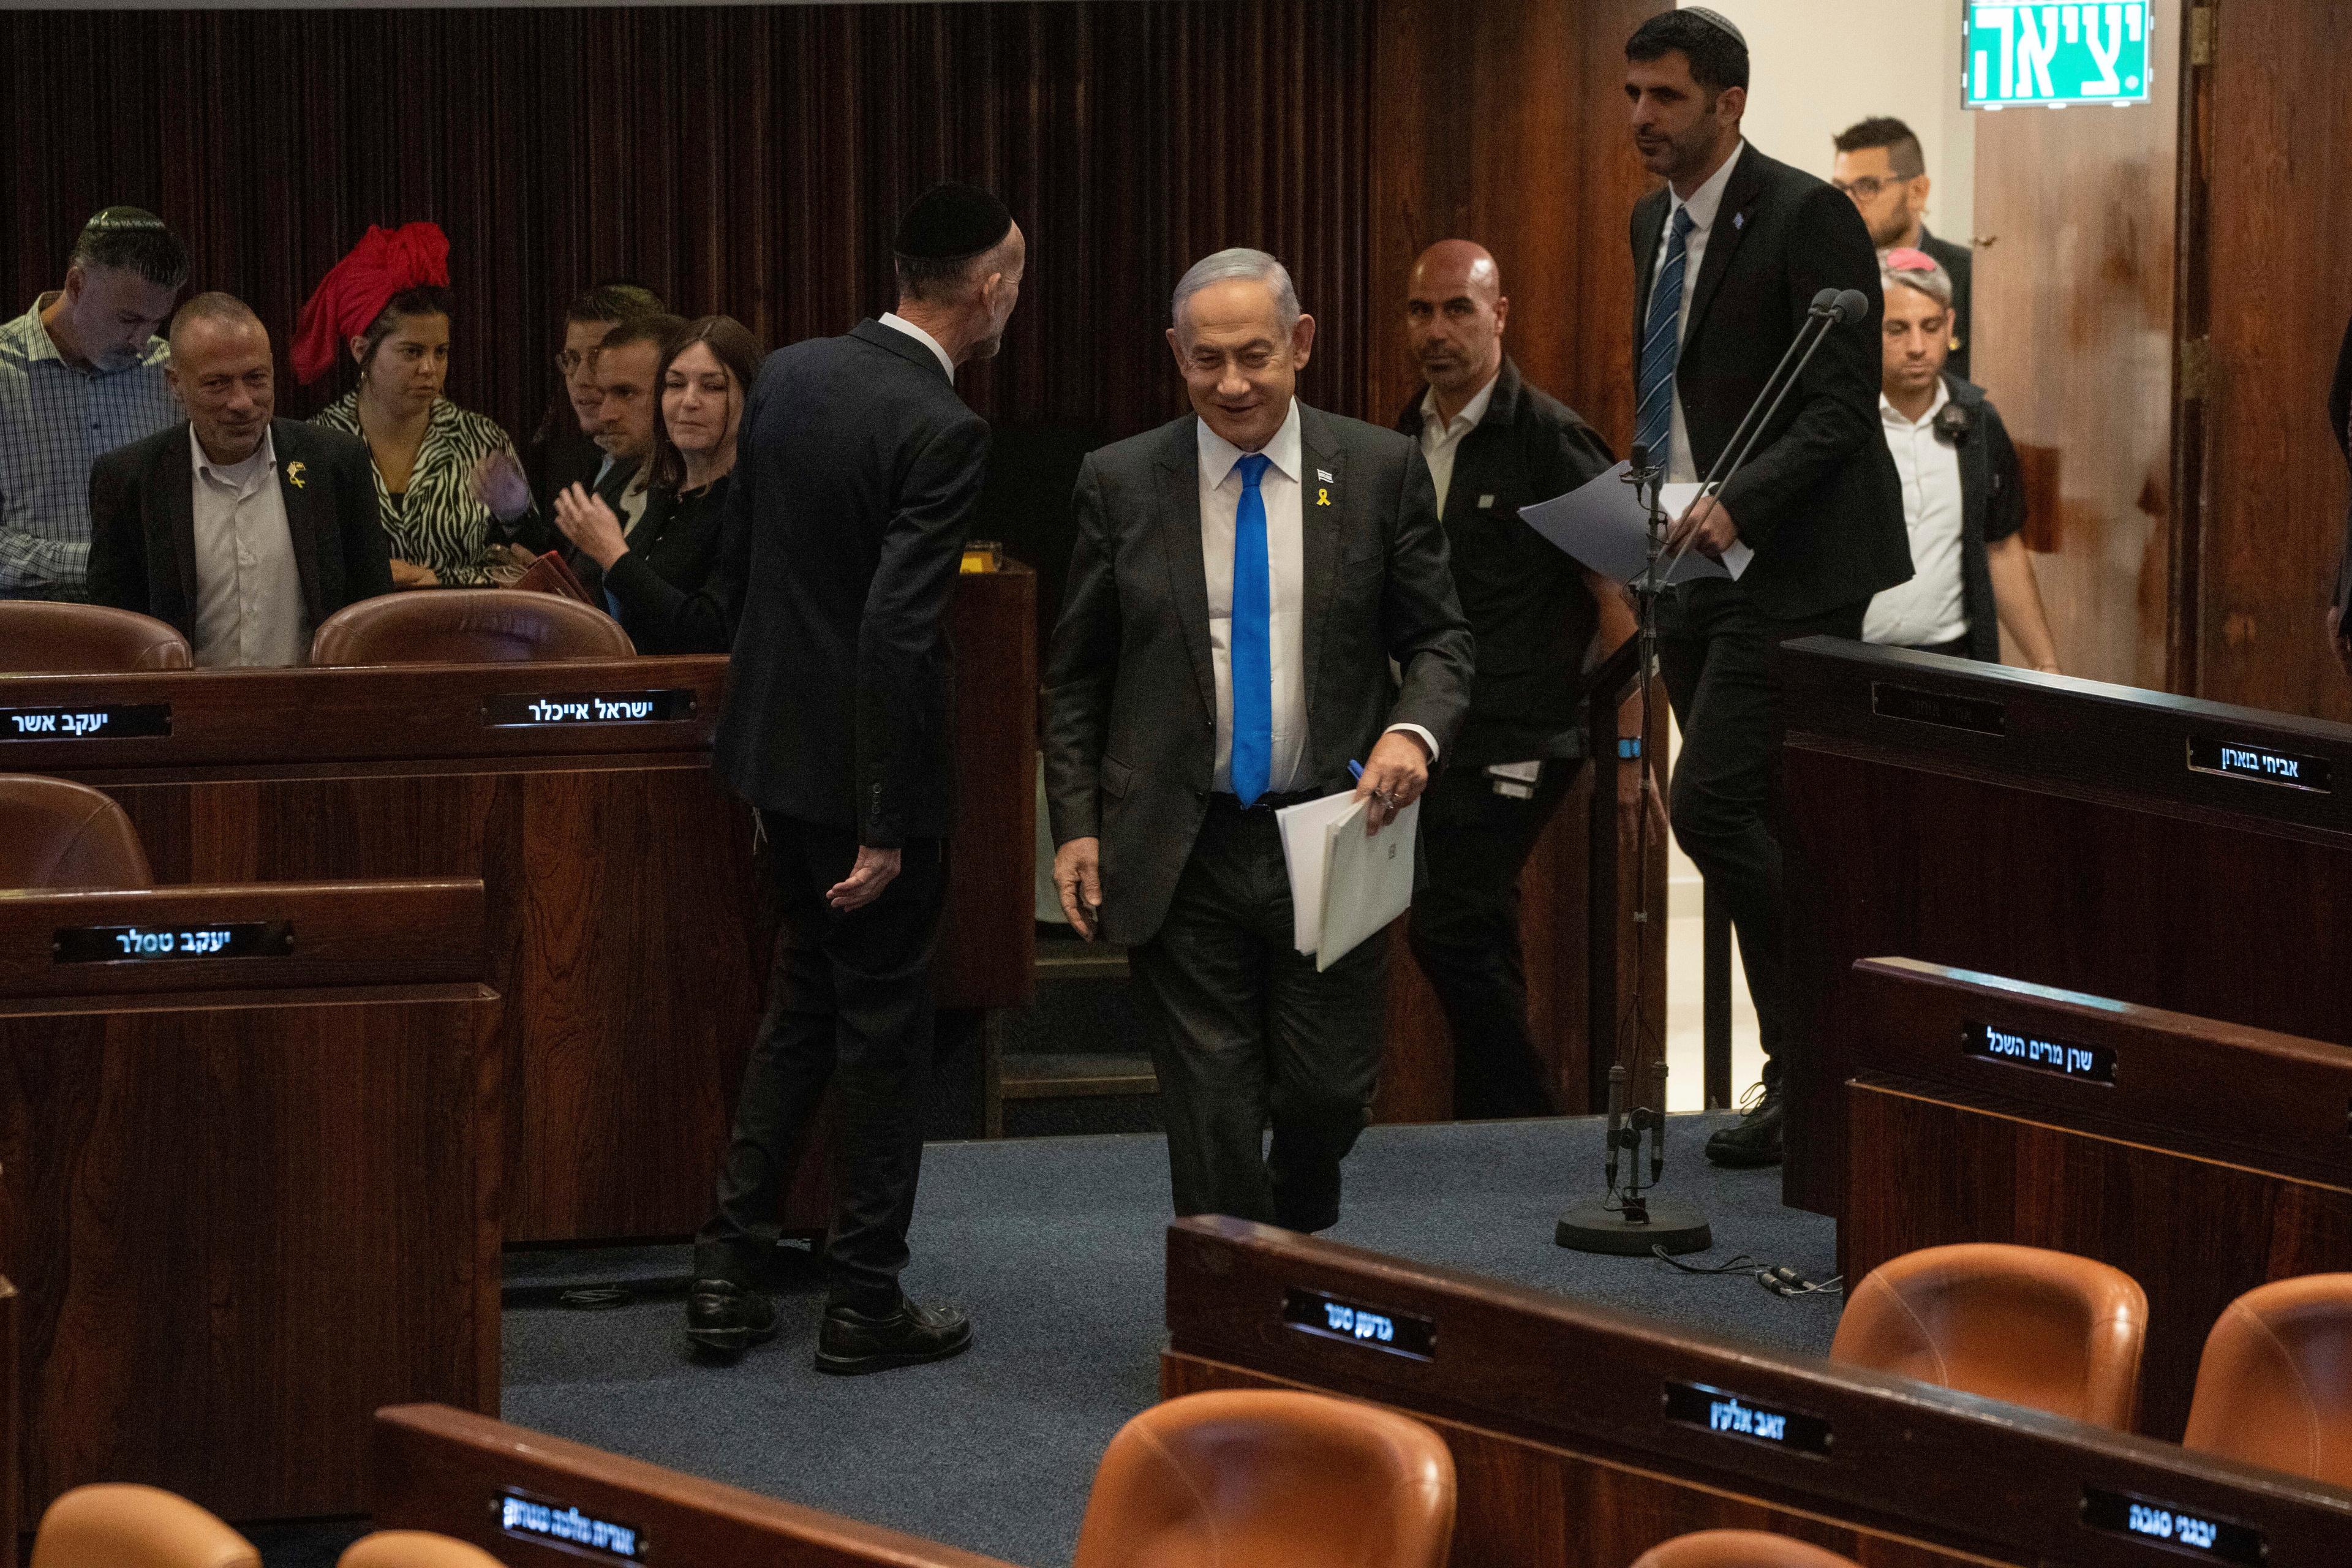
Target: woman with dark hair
x=661 y=578
x=448 y=482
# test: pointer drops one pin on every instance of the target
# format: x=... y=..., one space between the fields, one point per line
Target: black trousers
x=849 y=1003
x=1466 y=931
x=1245 y=1034
x=1716 y=654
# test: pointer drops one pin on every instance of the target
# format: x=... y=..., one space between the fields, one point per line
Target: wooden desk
x=509 y=1490
x=624 y=918
x=2203 y=1159
x=1566 y=1455
x=2050 y=831
x=248 y=1199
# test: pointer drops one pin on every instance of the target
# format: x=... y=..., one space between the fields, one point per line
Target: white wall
x=1815 y=67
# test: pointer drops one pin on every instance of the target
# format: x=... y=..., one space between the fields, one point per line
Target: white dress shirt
x=899 y=323
x=248 y=590
x=1442 y=438
x=1932 y=607
x=1286 y=560
x=1703 y=205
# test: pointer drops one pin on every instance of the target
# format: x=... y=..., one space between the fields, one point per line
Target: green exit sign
x=2049 y=56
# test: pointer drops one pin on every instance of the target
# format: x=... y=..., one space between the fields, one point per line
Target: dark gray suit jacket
x=854 y=478
x=143 y=516
x=1131 y=699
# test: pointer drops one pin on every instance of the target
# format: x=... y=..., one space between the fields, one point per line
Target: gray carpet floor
x=1055 y=1247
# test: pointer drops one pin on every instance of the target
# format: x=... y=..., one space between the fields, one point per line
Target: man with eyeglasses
x=1879 y=165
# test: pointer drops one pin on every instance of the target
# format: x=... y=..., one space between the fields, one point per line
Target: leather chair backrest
x=2031 y=1326
x=122 y=1526
x=1739 y=1549
x=467 y=625
x=39 y=637
x=54 y=834
x=1263 y=1476
x=2275 y=1387
x=413 y=1548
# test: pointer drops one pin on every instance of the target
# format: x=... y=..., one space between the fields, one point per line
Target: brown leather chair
x=467 y=625
x=2275 y=1387
x=412 y=1549
x=58 y=835
x=2045 y=1329
x=122 y=1526
x=1739 y=1549
x=37 y=637
x=1246 y=1478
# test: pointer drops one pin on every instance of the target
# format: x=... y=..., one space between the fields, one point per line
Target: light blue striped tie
x=1653 y=417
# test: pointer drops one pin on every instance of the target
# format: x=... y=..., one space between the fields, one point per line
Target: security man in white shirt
x=1963 y=494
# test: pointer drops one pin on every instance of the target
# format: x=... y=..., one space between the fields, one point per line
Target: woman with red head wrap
x=449 y=484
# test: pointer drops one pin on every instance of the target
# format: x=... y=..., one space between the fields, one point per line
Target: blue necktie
x=1654 y=417
x=1253 y=637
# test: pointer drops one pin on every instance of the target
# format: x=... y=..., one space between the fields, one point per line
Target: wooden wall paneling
x=2276 y=121
x=242 y=1229
x=2196 y=1233
x=2074 y=339
x=1534 y=1505
x=12 y=1432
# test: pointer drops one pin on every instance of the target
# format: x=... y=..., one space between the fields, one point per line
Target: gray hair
x=1239 y=264
x=1931 y=280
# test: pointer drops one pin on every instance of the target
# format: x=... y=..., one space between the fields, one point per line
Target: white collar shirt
x=899 y=323
x=1932 y=607
x=248 y=610
x=1704 y=205
x=1441 y=439
x=1286 y=561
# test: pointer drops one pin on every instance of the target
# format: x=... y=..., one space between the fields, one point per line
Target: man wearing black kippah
x=855 y=476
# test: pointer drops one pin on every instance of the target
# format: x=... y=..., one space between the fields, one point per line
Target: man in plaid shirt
x=81 y=373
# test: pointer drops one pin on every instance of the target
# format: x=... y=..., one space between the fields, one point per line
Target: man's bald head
x=1460 y=266
x=1454 y=311
x=221 y=369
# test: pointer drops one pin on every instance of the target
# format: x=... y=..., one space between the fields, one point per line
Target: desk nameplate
x=86 y=721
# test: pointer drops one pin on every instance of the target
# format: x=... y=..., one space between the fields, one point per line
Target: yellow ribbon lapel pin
x=1323 y=492
x=294 y=475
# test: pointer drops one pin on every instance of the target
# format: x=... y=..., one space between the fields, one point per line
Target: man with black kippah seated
x=855 y=476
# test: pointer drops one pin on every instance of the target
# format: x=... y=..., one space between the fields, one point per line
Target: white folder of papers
x=1344 y=885
x=1604 y=525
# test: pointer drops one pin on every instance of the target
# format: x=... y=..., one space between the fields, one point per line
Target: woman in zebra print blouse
x=448 y=484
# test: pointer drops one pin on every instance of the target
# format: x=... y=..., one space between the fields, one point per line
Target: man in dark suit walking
x=1728 y=255
x=1882 y=168
x=243 y=531
x=856 y=471
x=1241 y=579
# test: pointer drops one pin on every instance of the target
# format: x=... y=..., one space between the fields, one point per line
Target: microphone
x=1824 y=303
x=1640 y=458
x=1616 y=1117
x=1851 y=307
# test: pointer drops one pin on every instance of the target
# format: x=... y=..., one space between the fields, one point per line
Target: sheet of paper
x=1604 y=525
x=1366 y=881
x=1303 y=844
x=1677 y=499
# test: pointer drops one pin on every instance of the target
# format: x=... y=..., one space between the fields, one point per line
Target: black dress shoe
x=1756 y=1141
x=723 y=1315
x=852 y=1342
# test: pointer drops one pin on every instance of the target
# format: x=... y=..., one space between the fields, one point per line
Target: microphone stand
x=1626 y=1221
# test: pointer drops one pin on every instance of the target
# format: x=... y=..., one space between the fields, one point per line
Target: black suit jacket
x=143 y=528
x=1131 y=697
x=1529 y=604
x=670 y=594
x=1819 y=500
x=1992 y=508
x=1959 y=262
x=855 y=478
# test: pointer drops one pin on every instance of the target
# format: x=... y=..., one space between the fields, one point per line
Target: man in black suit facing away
x=856 y=472
x=243 y=531
x=1728 y=255
x=1241 y=579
